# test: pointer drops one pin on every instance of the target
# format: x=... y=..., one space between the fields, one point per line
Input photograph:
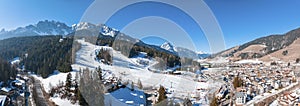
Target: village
x=250 y=82
x=15 y=93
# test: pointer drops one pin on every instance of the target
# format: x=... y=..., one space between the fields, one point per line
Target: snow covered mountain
x=203 y=55
x=168 y=46
x=105 y=30
x=95 y=28
x=184 y=52
x=85 y=26
x=41 y=28
x=58 y=28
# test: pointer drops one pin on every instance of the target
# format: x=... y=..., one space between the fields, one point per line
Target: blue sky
x=16 y=13
x=240 y=20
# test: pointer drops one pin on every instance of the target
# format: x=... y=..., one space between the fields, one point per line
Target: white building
x=240 y=98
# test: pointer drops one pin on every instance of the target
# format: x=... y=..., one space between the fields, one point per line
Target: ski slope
x=129 y=69
x=125 y=68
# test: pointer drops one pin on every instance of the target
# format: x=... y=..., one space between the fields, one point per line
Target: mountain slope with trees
x=40 y=54
x=270 y=44
x=7 y=71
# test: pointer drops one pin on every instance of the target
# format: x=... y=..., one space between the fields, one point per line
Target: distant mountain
x=203 y=55
x=184 y=52
x=58 y=28
x=168 y=46
x=262 y=47
x=85 y=28
x=41 y=28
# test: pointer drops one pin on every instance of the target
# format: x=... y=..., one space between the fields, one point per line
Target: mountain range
x=84 y=28
x=41 y=28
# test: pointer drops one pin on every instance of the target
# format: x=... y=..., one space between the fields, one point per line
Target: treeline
x=41 y=54
x=7 y=71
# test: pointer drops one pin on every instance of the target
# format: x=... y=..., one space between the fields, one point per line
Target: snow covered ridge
x=103 y=29
x=184 y=52
x=85 y=26
x=109 y=31
x=56 y=28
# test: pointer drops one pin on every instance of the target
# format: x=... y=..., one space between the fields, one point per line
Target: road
x=37 y=93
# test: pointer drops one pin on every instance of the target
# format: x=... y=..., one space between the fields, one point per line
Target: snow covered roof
x=15 y=60
x=2 y=100
x=125 y=95
x=5 y=89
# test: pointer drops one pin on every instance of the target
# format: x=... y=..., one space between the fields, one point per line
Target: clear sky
x=240 y=20
x=16 y=13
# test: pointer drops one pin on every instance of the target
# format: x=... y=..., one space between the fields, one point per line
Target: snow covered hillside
x=130 y=69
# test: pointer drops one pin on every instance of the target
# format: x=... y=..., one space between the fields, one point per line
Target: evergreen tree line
x=7 y=71
x=44 y=54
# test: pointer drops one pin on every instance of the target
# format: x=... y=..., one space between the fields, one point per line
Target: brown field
x=293 y=53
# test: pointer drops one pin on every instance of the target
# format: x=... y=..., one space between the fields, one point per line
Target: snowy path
x=39 y=98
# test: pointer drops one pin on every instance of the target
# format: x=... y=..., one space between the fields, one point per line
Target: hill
x=261 y=47
x=40 y=54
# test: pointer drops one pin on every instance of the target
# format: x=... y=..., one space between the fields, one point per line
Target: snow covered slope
x=129 y=69
x=126 y=68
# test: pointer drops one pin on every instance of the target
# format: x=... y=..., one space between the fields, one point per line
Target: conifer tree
x=139 y=84
x=68 y=82
x=161 y=94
